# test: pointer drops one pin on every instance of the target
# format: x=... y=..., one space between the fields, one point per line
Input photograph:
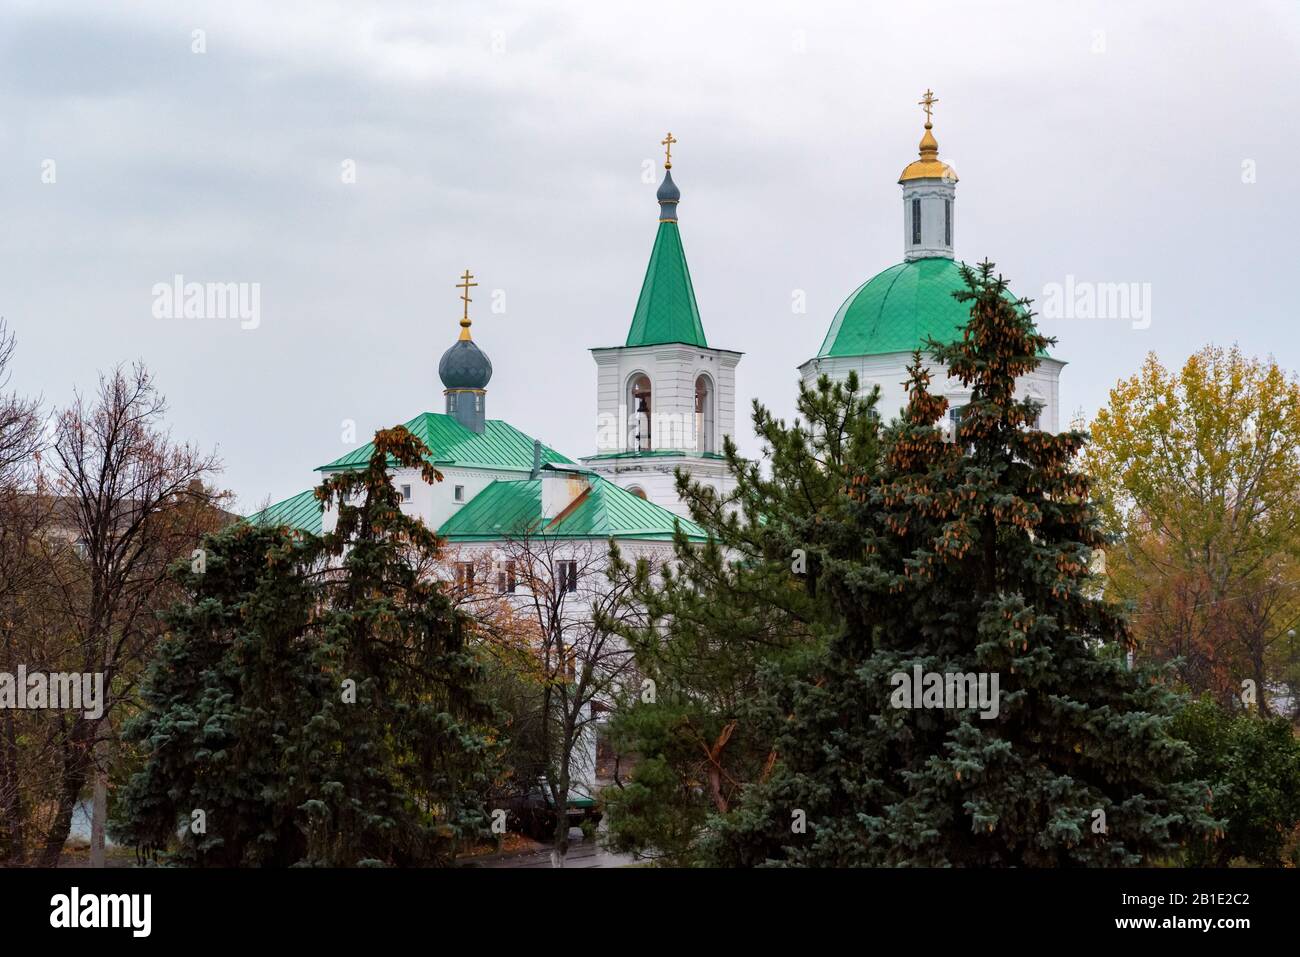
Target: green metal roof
x=898 y=309
x=514 y=508
x=499 y=446
x=666 y=311
x=302 y=512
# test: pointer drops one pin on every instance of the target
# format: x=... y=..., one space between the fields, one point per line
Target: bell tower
x=665 y=398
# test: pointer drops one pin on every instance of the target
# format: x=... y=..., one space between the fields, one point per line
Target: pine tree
x=730 y=617
x=222 y=707
x=971 y=555
x=410 y=753
x=318 y=699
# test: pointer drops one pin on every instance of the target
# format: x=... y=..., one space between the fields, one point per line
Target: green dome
x=898 y=309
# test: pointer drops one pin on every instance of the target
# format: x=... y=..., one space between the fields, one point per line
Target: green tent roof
x=302 y=512
x=514 y=508
x=499 y=446
x=666 y=310
x=898 y=309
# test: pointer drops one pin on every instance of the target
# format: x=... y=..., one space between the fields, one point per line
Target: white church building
x=665 y=400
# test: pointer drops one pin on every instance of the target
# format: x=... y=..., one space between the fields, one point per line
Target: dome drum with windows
x=900 y=309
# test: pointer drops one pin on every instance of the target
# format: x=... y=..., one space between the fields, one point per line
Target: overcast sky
x=1104 y=141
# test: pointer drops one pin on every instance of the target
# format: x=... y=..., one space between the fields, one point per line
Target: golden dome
x=929 y=166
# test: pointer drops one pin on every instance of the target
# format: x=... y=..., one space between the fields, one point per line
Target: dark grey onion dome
x=669 y=195
x=464 y=366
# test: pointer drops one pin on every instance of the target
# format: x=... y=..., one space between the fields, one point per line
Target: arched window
x=637 y=491
x=703 y=414
x=638 y=405
x=451 y=403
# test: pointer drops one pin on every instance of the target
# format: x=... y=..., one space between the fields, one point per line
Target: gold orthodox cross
x=466 y=285
x=927 y=103
x=667 y=143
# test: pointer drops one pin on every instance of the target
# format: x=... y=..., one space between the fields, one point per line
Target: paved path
x=581 y=854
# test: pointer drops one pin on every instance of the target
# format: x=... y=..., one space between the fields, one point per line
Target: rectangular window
x=506 y=582
x=568 y=576
x=465 y=575
x=406 y=493
x=916 y=222
x=451 y=403
x=947 y=222
x=954 y=420
x=460 y=493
